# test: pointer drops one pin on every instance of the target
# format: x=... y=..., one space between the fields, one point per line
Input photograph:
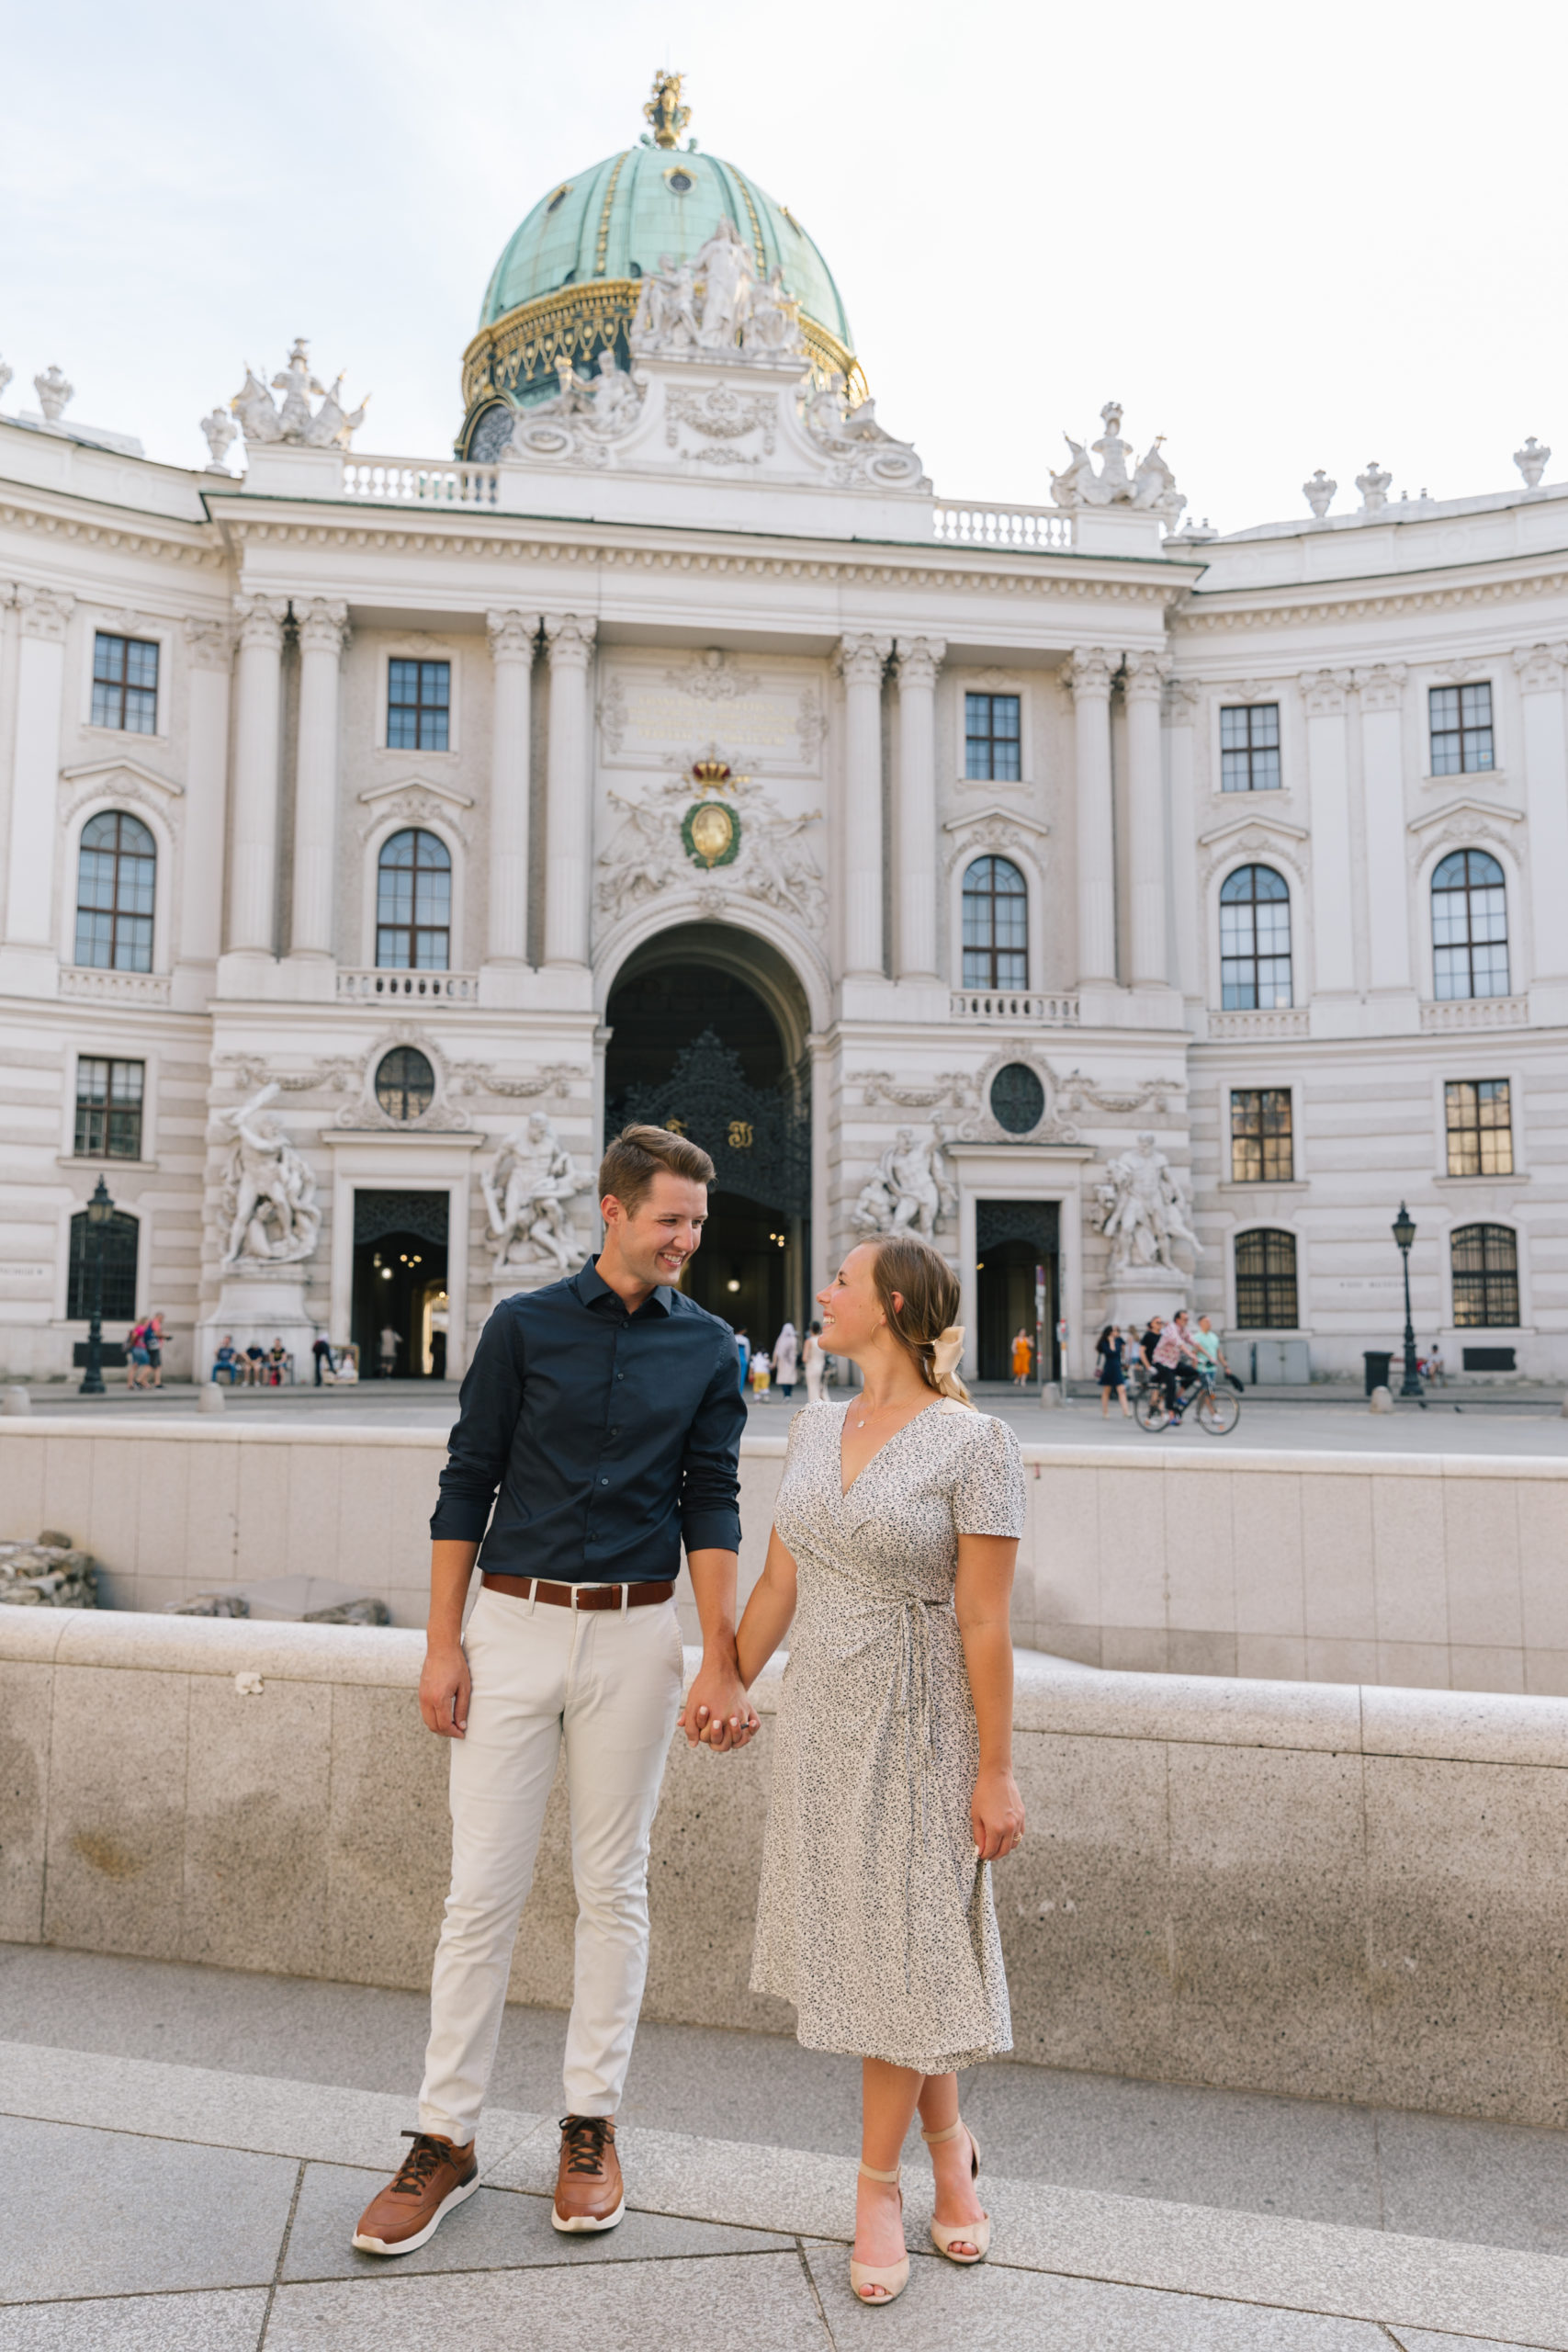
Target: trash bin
x=1377 y=1368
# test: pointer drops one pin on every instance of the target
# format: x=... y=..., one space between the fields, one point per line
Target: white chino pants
x=607 y=1683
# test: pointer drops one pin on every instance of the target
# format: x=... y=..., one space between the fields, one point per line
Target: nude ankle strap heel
x=967 y=2233
x=892 y=2278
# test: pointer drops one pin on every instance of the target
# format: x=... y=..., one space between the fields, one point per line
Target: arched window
x=1255 y=940
x=1470 y=927
x=1266 y=1280
x=116 y=871
x=1486 y=1262
x=413 y=904
x=996 y=926
x=118 y=1240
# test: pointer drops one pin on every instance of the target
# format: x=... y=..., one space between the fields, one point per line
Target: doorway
x=704 y=1048
x=400 y=1306
x=1017 y=1262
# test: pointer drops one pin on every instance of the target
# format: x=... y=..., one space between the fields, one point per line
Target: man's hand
x=718 y=1713
x=444 y=1689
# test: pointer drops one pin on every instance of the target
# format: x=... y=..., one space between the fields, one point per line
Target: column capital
x=1381 y=685
x=920 y=659
x=569 y=638
x=260 y=620
x=511 y=635
x=1088 y=670
x=44 y=611
x=1541 y=667
x=1144 y=676
x=322 y=625
x=1323 y=691
x=863 y=659
x=209 y=645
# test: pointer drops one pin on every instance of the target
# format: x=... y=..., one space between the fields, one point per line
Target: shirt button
x=620 y=1375
x=614 y=1432
x=603 y=1482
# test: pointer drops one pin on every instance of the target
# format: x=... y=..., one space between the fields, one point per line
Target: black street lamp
x=1405 y=1235
x=100 y=1208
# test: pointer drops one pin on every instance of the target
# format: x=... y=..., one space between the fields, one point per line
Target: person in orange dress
x=1021 y=1351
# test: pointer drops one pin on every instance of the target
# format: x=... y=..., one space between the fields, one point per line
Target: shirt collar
x=591 y=1287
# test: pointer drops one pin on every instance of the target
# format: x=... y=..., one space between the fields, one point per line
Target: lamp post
x=1405 y=1235
x=100 y=1208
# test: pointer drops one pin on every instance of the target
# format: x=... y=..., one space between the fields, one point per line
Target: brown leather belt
x=581 y=1595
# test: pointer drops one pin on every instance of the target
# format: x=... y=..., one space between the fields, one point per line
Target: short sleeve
x=988 y=1497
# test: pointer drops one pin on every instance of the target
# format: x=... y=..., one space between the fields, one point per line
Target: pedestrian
x=390 y=1342
x=761 y=1370
x=598 y=1429
x=889 y=1568
x=786 y=1348
x=743 y=1356
x=1023 y=1349
x=138 y=1372
x=1110 y=1370
x=1436 y=1365
x=322 y=1349
x=813 y=1357
x=154 y=1345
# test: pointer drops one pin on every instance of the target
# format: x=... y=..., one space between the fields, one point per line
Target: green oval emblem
x=710 y=833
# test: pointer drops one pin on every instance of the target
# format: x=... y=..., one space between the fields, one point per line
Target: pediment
x=997 y=815
x=1481 y=811
x=1255 y=820
x=375 y=794
x=100 y=775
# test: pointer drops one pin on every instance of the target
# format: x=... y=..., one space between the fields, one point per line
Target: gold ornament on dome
x=664 y=109
x=710 y=833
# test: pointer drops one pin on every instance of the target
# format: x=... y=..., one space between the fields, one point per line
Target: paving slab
x=1500 y=2184
x=743 y=2302
x=106 y=2213
x=496 y=2230
x=987 y=2309
x=194 y=2323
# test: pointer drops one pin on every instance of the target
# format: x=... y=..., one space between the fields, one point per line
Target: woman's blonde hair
x=926 y=1325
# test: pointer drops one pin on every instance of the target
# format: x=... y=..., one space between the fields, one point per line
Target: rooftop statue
x=262 y=420
x=664 y=109
x=865 y=451
x=1150 y=485
x=717 y=304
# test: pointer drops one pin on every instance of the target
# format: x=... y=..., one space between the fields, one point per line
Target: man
x=1208 y=1353
x=1171 y=1355
x=391 y=1340
x=605 y=1409
x=320 y=1349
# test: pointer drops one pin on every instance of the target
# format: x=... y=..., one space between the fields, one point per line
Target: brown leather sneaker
x=590 y=2193
x=432 y=2178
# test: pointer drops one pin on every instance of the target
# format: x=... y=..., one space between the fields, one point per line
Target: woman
x=893 y=1785
x=1023 y=1349
x=139 y=1373
x=1110 y=1370
x=785 y=1350
x=814 y=1363
x=153 y=1343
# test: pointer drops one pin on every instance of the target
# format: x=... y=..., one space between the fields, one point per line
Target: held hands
x=444 y=1686
x=995 y=1814
x=718 y=1713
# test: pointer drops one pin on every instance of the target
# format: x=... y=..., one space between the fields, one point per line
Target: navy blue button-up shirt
x=611 y=1437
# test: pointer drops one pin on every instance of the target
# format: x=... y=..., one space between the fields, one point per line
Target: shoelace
x=422 y=2159
x=585 y=2137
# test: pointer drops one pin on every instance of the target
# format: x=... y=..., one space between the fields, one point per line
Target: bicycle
x=1215 y=1409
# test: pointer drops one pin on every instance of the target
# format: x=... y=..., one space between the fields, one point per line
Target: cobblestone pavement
x=200 y=2199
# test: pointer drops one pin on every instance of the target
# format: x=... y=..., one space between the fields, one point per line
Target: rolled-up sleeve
x=487 y=1405
x=710 y=1472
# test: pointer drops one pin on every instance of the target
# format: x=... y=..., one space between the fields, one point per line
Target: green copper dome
x=567 y=285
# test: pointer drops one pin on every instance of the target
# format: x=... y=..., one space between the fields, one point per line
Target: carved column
x=1144 y=683
x=1089 y=676
x=252 y=858
x=210 y=655
x=1383 y=787
x=1181 y=699
x=920 y=659
x=1334 y=949
x=569 y=813
x=863 y=660
x=323 y=632
x=1540 y=673
x=35 y=765
x=511 y=639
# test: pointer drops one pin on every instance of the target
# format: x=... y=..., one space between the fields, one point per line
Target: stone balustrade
x=1341 y=1894
x=1474 y=1012
x=377 y=987
x=977 y=523
x=420 y=481
x=1005 y=1005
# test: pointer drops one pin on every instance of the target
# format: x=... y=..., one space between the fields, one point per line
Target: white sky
x=1284 y=238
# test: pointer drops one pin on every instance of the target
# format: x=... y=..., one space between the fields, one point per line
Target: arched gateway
x=708 y=1029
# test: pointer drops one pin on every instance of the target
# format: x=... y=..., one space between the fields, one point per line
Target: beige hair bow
x=947 y=1349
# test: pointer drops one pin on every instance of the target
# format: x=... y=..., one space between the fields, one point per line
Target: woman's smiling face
x=851 y=1312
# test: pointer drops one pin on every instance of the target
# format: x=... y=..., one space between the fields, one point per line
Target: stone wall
x=1431 y=1572
x=1346 y=1894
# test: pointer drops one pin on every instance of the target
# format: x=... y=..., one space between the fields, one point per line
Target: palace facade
x=675 y=750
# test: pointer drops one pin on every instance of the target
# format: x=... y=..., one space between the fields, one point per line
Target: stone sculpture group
x=1143 y=1212
x=527 y=1191
x=269 y=1195
x=910 y=1191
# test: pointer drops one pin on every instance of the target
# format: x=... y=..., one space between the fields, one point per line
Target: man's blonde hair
x=635 y=1157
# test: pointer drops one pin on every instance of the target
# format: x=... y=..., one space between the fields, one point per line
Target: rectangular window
x=992 y=744
x=125 y=684
x=1249 y=748
x=1260 y=1136
x=419 y=702
x=1461 y=730
x=1480 y=1123
x=109 y=1109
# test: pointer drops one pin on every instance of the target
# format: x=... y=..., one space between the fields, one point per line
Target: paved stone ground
x=1455 y=1420
x=186 y=2150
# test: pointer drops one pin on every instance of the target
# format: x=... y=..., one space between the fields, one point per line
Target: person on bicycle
x=1209 y=1355
x=1172 y=1354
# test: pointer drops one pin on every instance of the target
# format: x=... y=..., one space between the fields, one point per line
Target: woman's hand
x=995 y=1814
